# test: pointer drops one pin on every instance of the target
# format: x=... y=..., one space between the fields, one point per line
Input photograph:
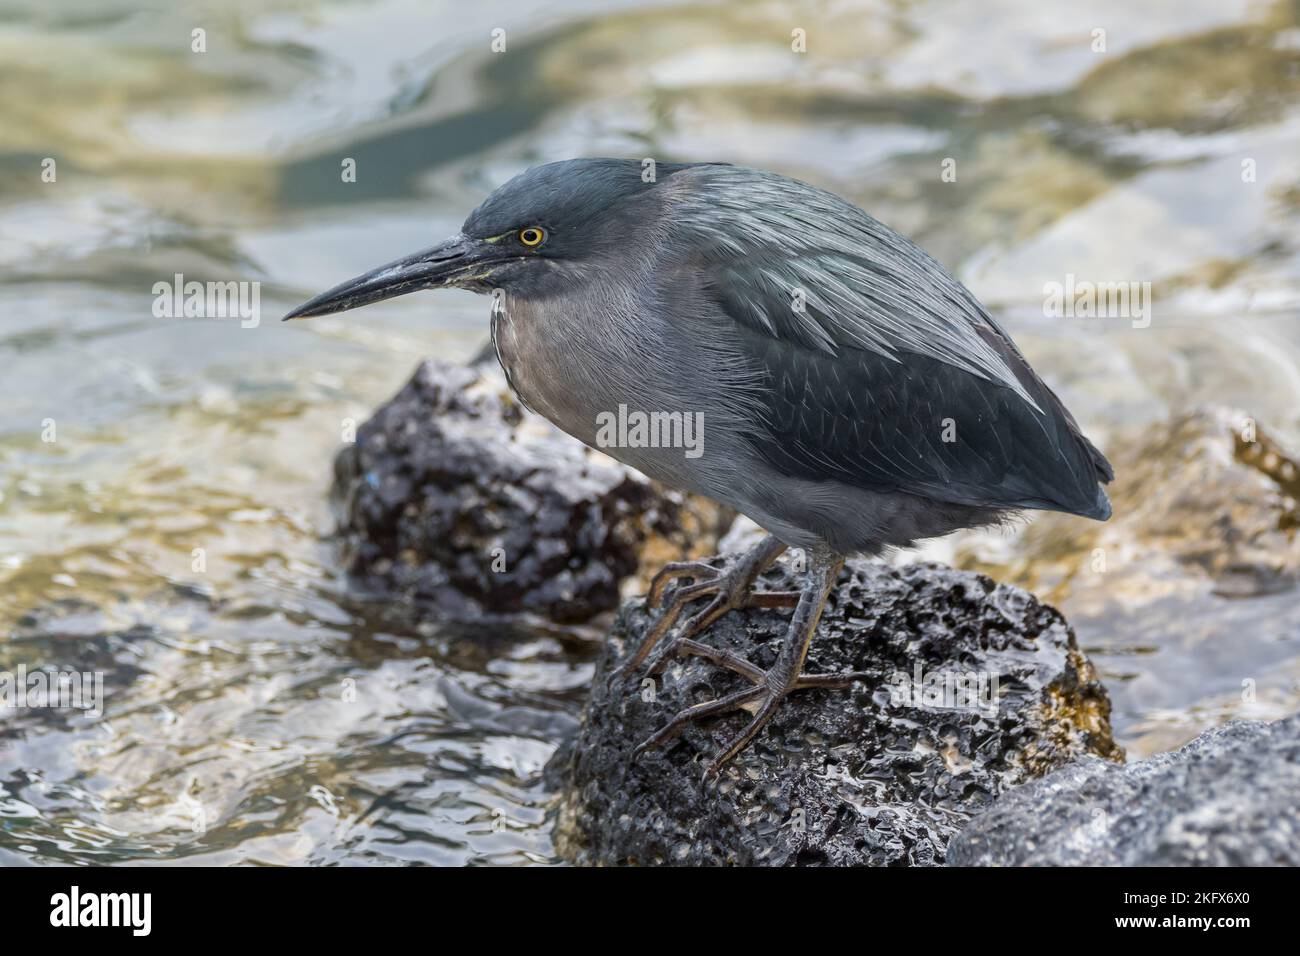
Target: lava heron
x=853 y=395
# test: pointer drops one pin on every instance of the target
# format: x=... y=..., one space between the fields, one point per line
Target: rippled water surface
x=224 y=738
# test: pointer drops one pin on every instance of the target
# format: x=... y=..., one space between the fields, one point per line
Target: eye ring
x=532 y=236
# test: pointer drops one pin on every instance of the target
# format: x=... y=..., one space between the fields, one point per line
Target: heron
x=854 y=396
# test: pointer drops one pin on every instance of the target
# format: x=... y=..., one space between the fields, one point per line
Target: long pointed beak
x=431 y=268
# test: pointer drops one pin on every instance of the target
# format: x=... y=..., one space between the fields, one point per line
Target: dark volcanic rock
x=454 y=494
x=860 y=776
x=1229 y=798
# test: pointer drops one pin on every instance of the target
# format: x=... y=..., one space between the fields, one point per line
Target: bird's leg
x=770 y=686
x=727 y=589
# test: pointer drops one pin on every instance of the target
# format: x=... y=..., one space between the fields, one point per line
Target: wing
x=876 y=367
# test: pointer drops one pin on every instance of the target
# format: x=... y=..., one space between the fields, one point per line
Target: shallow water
x=225 y=739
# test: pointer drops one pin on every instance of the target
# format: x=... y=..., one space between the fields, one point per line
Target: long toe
x=692 y=626
x=697 y=712
x=772 y=685
x=656 y=634
x=674 y=570
x=729 y=589
x=770 y=701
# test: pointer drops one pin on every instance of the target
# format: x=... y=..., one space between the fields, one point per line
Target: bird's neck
x=569 y=357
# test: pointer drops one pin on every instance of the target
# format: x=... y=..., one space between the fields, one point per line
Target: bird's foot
x=769 y=688
x=727 y=589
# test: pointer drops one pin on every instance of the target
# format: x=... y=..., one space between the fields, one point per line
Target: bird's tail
x=1105 y=473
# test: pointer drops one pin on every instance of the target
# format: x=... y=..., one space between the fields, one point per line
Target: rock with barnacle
x=457 y=500
x=971 y=688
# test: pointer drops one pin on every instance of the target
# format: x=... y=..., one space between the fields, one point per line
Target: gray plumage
x=854 y=396
x=824 y=424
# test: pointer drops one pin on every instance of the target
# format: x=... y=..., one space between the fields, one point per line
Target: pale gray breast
x=582 y=364
x=547 y=367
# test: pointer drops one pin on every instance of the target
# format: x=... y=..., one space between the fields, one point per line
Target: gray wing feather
x=862 y=346
x=864 y=286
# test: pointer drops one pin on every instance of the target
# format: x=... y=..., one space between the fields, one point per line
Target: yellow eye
x=532 y=236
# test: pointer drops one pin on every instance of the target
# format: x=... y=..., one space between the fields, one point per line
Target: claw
x=673 y=570
x=656 y=634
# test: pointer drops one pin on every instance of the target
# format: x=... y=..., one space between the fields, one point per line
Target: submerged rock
x=455 y=495
x=1229 y=798
x=884 y=773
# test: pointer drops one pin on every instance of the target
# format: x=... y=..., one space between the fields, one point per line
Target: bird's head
x=531 y=237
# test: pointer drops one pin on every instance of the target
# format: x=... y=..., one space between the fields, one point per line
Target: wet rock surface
x=884 y=773
x=1229 y=798
x=457 y=498
x=1196 y=572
